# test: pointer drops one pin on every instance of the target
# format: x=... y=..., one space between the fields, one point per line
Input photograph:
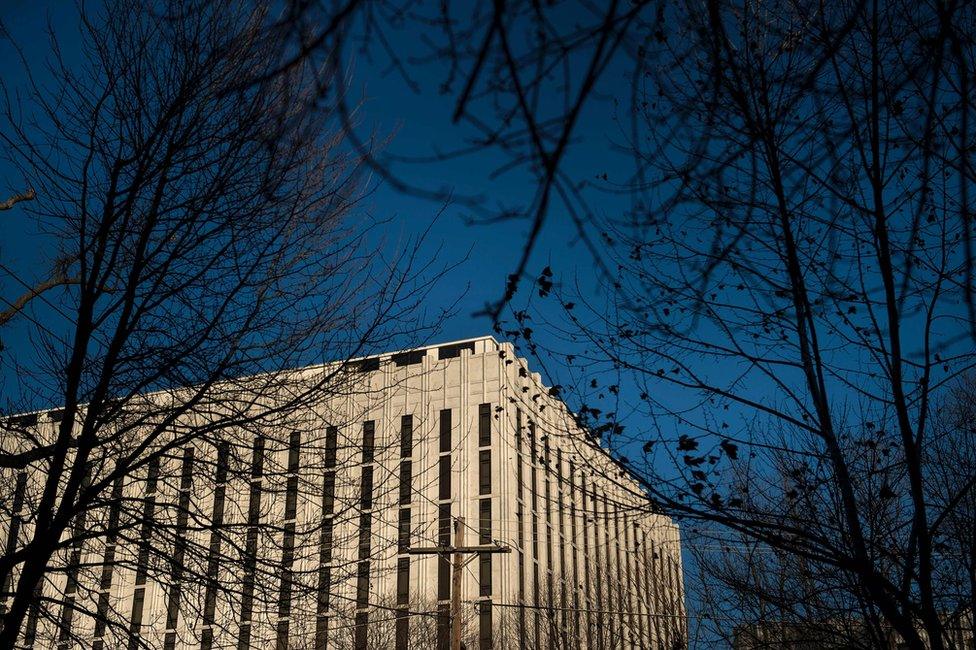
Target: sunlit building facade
x=301 y=538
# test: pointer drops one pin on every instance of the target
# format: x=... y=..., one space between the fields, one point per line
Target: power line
x=603 y=611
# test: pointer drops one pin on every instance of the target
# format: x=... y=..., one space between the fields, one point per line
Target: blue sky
x=416 y=121
x=414 y=124
x=418 y=124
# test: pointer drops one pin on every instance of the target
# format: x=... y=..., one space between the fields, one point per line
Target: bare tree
x=524 y=77
x=203 y=209
x=521 y=77
x=27 y=195
x=789 y=294
x=768 y=597
x=17 y=305
x=788 y=300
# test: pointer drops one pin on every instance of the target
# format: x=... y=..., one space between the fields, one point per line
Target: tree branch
x=17 y=198
x=18 y=305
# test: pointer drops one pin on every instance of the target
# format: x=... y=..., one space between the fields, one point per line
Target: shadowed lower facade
x=298 y=534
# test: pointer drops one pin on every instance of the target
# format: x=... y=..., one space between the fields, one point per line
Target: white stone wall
x=618 y=565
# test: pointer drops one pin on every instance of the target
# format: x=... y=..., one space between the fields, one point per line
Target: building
x=300 y=536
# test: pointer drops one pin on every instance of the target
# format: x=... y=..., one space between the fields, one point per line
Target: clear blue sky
x=420 y=125
x=419 y=122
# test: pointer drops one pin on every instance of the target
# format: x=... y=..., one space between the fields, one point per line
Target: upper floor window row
x=412 y=357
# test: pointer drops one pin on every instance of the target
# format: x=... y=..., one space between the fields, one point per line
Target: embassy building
x=313 y=536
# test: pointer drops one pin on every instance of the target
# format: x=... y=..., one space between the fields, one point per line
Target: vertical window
x=213 y=554
x=445 y=477
x=328 y=493
x=108 y=559
x=287 y=560
x=365 y=533
x=484 y=521
x=294 y=449
x=484 y=471
x=518 y=452
x=518 y=474
x=406 y=436
x=608 y=566
x=362 y=585
x=484 y=626
x=535 y=538
x=443 y=627
x=520 y=525
x=673 y=592
x=533 y=475
x=360 y=635
x=484 y=525
x=251 y=543
x=547 y=473
x=176 y=561
x=521 y=598
x=288 y=541
x=633 y=599
x=291 y=498
x=547 y=501
x=650 y=584
x=640 y=589
x=369 y=432
x=444 y=525
x=403 y=581
x=484 y=573
x=406 y=477
x=402 y=633
x=597 y=586
x=620 y=603
x=282 y=642
x=291 y=491
x=445 y=430
x=331 y=444
x=73 y=568
x=534 y=496
x=67 y=610
x=325 y=584
x=521 y=579
x=443 y=561
x=257 y=458
x=561 y=528
x=402 y=629
x=365 y=528
x=15 y=521
x=321 y=630
x=403 y=541
x=138 y=600
x=443 y=577
x=537 y=623
x=142 y=561
x=366 y=487
x=574 y=549
x=325 y=540
x=586 y=564
x=484 y=425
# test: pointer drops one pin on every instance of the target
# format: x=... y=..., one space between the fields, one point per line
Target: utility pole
x=456 y=585
x=458 y=549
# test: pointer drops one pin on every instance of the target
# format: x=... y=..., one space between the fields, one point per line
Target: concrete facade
x=299 y=539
